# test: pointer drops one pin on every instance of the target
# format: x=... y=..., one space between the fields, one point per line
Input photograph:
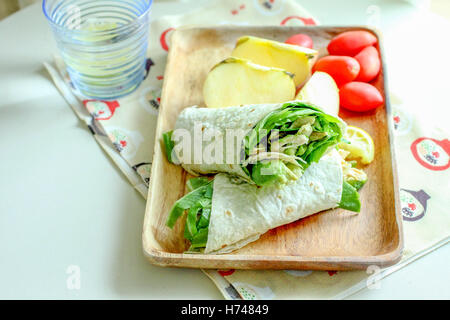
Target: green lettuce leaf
x=198 y=204
x=197 y=182
x=169 y=145
x=350 y=198
x=357 y=184
x=199 y=240
x=199 y=196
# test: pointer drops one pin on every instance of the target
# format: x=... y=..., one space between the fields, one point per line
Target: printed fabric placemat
x=125 y=128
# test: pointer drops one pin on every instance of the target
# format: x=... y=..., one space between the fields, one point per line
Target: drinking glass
x=103 y=43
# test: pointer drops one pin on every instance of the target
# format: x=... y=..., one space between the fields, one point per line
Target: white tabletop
x=63 y=203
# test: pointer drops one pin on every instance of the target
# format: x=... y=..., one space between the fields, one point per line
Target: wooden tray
x=331 y=240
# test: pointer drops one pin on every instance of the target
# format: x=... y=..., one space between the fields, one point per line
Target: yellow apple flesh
x=235 y=82
x=322 y=91
x=294 y=59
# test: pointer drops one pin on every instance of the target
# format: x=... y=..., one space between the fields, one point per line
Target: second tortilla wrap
x=242 y=212
x=225 y=214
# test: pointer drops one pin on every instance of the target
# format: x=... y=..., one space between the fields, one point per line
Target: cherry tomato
x=370 y=64
x=301 y=40
x=360 y=96
x=350 y=43
x=341 y=68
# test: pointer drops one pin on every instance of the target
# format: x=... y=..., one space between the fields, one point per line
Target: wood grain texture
x=330 y=240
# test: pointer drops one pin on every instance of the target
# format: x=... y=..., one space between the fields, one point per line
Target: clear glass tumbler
x=103 y=43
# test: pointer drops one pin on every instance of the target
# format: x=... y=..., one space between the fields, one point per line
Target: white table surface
x=63 y=202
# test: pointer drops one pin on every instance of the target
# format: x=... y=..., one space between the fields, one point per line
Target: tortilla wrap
x=242 y=212
x=249 y=141
x=223 y=119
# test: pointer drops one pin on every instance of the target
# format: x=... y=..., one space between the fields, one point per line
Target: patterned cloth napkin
x=125 y=130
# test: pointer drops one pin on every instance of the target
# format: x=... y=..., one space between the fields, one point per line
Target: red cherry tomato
x=342 y=69
x=360 y=96
x=350 y=43
x=370 y=64
x=301 y=40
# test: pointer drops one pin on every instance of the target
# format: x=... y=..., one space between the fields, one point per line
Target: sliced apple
x=322 y=91
x=235 y=82
x=295 y=59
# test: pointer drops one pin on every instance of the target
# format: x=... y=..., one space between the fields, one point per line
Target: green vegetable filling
x=350 y=198
x=357 y=184
x=285 y=142
x=169 y=145
x=197 y=203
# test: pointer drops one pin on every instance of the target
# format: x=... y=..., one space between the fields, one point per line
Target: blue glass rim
x=137 y=19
